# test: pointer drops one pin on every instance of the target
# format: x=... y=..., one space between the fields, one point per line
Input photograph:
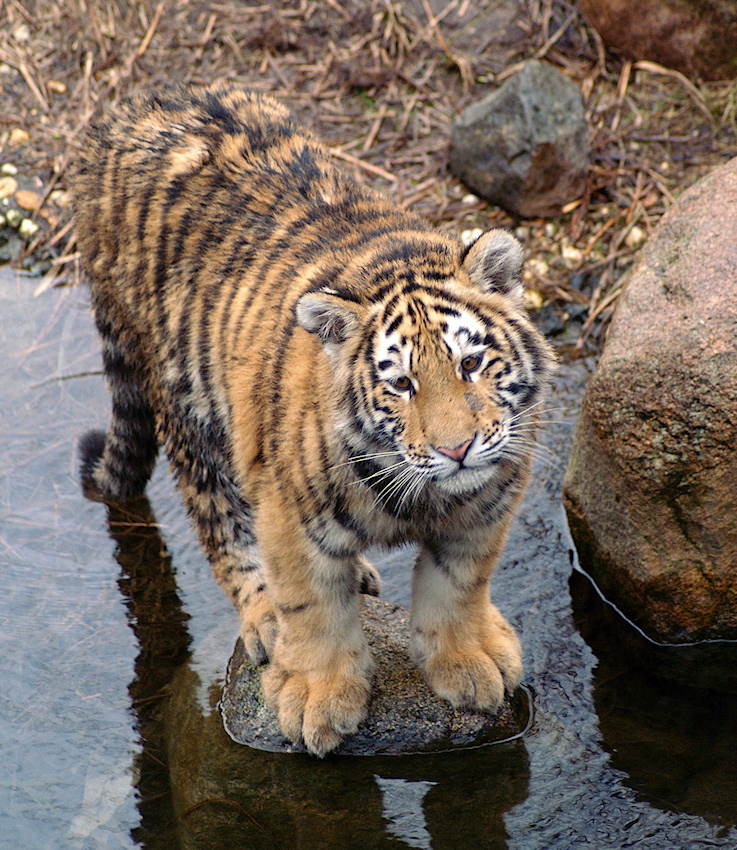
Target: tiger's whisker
x=378 y=474
x=361 y=458
x=396 y=485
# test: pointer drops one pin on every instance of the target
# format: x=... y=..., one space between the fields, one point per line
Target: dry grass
x=381 y=81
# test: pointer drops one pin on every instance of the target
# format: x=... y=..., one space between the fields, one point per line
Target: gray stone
x=651 y=487
x=525 y=147
x=696 y=37
x=404 y=715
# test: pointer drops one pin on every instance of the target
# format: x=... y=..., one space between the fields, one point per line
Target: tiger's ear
x=324 y=313
x=494 y=263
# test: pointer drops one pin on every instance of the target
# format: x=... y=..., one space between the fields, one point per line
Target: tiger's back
x=325 y=372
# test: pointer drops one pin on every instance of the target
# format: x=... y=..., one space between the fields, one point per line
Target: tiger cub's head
x=438 y=370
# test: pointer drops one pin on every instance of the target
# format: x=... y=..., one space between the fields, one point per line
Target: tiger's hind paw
x=370 y=580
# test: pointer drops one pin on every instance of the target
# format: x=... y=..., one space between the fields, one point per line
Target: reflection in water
x=676 y=743
x=402 y=808
x=155 y=615
x=226 y=795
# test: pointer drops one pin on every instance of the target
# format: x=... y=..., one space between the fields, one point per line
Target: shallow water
x=109 y=670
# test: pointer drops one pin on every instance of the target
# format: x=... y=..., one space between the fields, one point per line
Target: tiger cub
x=325 y=372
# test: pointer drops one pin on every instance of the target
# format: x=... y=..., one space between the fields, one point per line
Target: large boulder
x=525 y=147
x=651 y=486
x=697 y=37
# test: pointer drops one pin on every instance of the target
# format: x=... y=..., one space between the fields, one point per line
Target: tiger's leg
x=318 y=680
x=467 y=651
x=224 y=523
x=119 y=463
x=238 y=569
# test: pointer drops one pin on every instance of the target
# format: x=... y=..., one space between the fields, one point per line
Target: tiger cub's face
x=447 y=372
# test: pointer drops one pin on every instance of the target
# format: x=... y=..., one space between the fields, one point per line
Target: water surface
x=114 y=638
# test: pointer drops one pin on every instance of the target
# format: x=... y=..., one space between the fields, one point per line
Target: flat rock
x=525 y=147
x=651 y=486
x=404 y=715
x=696 y=37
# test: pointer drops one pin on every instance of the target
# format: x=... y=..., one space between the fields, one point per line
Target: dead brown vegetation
x=381 y=81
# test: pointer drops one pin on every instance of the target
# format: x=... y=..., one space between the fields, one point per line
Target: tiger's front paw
x=317 y=710
x=474 y=673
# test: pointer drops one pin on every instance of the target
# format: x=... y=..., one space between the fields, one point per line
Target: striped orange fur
x=325 y=372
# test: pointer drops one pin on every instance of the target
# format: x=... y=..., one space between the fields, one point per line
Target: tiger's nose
x=458 y=453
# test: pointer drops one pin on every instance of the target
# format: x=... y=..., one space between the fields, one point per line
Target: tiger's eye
x=402 y=383
x=471 y=363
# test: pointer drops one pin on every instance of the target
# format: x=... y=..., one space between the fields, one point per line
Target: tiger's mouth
x=464 y=469
x=466 y=479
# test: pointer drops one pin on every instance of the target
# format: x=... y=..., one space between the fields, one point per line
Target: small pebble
x=533 y=299
x=8 y=168
x=538 y=266
x=14 y=217
x=469 y=236
x=28 y=227
x=22 y=33
x=571 y=254
x=635 y=237
x=59 y=198
x=27 y=200
x=470 y=199
x=18 y=136
x=8 y=186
